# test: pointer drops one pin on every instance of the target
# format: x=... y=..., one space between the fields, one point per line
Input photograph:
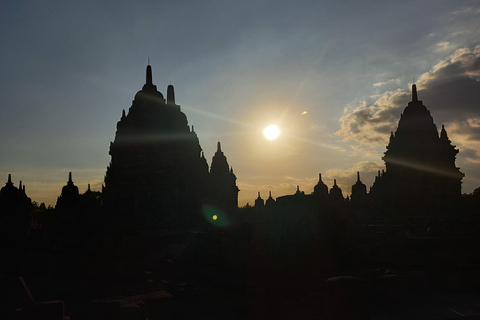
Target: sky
x=334 y=76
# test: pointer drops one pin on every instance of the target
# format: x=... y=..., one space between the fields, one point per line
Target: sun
x=271 y=132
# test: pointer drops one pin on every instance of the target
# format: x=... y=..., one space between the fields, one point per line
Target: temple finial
x=170 y=95
x=334 y=182
x=443 y=133
x=358 y=176
x=414 y=92
x=9 y=178
x=219 y=148
x=70 y=177
x=149 y=75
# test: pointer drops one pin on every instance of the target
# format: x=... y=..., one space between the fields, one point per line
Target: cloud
x=470 y=156
x=444 y=46
x=372 y=124
x=382 y=83
x=452 y=88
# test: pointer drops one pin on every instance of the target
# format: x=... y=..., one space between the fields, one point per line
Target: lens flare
x=215 y=216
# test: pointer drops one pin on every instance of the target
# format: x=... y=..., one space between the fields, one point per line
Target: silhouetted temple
x=69 y=196
x=158 y=176
x=421 y=178
x=222 y=188
x=320 y=189
x=15 y=213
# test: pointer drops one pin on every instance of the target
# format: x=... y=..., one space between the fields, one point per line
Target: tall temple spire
x=298 y=191
x=320 y=188
x=170 y=95
x=259 y=202
x=149 y=75
x=414 y=92
x=359 y=190
x=443 y=134
x=269 y=202
x=69 y=191
x=219 y=161
x=336 y=192
x=9 y=179
x=150 y=88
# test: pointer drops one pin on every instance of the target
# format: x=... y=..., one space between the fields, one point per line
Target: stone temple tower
x=421 y=178
x=157 y=174
x=223 y=190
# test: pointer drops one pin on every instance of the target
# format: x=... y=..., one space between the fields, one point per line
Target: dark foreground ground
x=408 y=279
x=388 y=297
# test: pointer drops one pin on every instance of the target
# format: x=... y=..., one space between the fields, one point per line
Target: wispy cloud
x=444 y=46
x=382 y=83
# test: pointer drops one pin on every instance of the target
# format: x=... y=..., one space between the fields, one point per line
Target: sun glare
x=271 y=132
